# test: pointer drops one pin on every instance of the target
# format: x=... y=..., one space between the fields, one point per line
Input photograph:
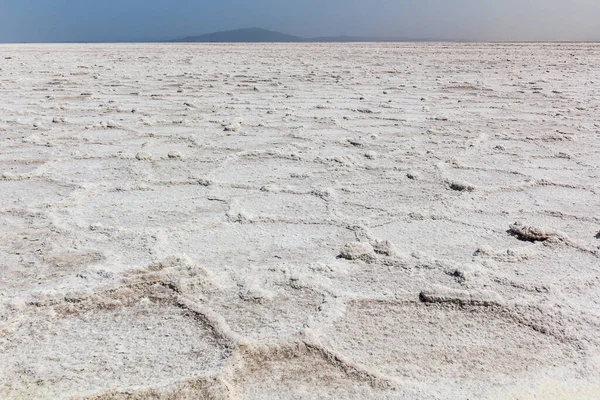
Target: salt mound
x=358 y=251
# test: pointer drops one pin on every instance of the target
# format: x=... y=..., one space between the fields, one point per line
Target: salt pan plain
x=300 y=221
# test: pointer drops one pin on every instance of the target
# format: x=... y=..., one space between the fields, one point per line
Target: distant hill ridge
x=251 y=35
x=258 y=35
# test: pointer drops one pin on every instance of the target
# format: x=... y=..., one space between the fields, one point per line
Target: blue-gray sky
x=132 y=20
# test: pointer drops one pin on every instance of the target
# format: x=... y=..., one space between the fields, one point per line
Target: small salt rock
x=466 y=272
x=412 y=175
x=484 y=250
x=143 y=156
x=384 y=247
x=461 y=186
x=233 y=127
x=175 y=155
x=371 y=155
x=96 y=227
x=532 y=233
x=269 y=188
x=356 y=142
x=109 y=124
x=358 y=251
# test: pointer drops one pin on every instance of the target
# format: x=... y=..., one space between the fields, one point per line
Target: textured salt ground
x=463 y=342
x=394 y=221
x=82 y=346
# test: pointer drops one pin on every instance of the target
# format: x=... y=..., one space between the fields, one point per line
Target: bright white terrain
x=402 y=221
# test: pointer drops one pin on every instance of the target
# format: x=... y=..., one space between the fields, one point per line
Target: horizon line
x=309 y=41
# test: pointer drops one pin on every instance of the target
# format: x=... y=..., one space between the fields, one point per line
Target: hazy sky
x=129 y=20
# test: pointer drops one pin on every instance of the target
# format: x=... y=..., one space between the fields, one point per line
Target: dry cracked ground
x=385 y=221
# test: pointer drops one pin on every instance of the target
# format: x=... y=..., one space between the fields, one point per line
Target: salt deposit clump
x=233 y=127
x=461 y=186
x=384 y=247
x=358 y=251
x=532 y=233
x=143 y=156
x=175 y=155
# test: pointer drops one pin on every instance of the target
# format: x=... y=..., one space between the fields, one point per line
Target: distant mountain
x=251 y=35
x=258 y=35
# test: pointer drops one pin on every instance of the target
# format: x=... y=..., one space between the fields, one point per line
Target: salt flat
x=295 y=221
